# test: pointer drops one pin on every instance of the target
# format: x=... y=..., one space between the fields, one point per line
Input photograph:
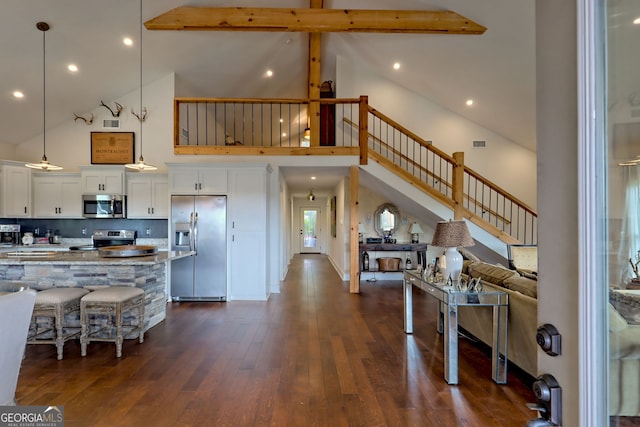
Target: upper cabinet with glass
x=386 y=219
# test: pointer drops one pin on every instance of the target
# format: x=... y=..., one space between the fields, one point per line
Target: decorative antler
x=116 y=113
x=86 y=120
x=142 y=116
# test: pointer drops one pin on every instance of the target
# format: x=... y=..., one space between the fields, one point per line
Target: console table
x=419 y=248
x=450 y=299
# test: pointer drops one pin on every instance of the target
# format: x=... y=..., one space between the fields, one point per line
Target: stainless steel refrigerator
x=199 y=223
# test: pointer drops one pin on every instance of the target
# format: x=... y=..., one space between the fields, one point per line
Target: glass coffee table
x=450 y=299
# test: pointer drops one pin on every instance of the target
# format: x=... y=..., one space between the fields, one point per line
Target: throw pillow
x=523 y=285
x=491 y=273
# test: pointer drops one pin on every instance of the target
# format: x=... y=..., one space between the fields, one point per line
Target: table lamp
x=361 y=231
x=450 y=235
x=415 y=231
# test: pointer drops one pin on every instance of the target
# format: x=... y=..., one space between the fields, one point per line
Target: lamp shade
x=452 y=234
x=415 y=228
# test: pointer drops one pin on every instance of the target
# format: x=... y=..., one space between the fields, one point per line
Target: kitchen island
x=87 y=269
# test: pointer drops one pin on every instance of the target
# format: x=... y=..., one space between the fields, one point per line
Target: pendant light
x=311 y=197
x=141 y=165
x=44 y=163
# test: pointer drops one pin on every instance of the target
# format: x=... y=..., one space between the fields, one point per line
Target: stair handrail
x=524 y=220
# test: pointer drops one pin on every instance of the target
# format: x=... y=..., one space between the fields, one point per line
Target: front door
x=310 y=231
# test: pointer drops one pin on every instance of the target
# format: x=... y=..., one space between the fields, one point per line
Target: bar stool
x=55 y=304
x=107 y=308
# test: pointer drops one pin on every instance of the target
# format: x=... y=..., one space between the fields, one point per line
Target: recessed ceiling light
x=313 y=178
x=636 y=21
x=281 y=120
x=18 y=94
x=127 y=41
x=284 y=134
x=73 y=68
x=269 y=73
x=469 y=102
x=396 y=66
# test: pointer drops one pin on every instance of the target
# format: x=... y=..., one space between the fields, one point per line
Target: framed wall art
x=333 y=217
x=112 y=148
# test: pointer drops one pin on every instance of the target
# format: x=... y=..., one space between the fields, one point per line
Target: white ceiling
x=497 y=68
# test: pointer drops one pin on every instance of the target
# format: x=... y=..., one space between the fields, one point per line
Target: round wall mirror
x=386 y=219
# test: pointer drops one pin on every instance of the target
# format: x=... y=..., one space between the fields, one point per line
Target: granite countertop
x=45 y=256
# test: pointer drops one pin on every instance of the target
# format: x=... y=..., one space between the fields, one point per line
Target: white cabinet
x=57 y=195
x=15 y=200
x=147 y=195
x=194 y=180
x=102 y=180
x=247 y=210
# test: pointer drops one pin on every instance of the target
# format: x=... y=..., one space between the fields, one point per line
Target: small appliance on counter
x=27 y=239
x=10 y=234
x=102 y=238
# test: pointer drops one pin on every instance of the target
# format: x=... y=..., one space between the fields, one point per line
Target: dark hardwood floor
x=313 y=355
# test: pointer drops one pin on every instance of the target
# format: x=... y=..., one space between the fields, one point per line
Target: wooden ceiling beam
x=313 y=20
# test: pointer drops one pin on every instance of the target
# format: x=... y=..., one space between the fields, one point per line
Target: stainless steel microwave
x=104 y=206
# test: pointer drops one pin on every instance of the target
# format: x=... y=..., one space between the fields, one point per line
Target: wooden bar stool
x=55 y=304
x=107 y=308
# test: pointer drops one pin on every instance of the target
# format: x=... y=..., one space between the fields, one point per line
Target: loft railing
x=350 y=127
x=265 y=126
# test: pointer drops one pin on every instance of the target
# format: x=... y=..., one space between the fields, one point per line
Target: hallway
x=313 y=355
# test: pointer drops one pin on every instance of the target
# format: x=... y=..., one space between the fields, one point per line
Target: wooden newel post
x=363 y=132
x=458 y=185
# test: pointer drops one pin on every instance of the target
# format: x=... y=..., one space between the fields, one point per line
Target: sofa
x=521 y=286
x=520 y=282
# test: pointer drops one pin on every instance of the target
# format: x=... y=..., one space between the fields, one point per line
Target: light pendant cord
x=44 y=163
x=141 y=114
x=140 y=165
x=44 y=92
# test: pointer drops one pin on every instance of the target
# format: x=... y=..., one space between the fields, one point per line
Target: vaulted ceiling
x=496 y=69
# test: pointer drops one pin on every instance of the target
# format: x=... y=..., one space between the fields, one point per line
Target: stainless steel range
x=102 y=238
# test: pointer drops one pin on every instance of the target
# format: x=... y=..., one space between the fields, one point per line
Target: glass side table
x=450 y=299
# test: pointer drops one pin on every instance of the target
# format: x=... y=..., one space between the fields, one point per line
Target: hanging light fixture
x=311 y=197
x=44 y=163
x=141 y=165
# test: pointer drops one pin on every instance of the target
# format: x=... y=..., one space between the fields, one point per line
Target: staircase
x=446 y=179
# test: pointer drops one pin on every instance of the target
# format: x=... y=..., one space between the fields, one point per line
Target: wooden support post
x=457 y=184
x=315 y=40
x=354 y=214
x=363 y=132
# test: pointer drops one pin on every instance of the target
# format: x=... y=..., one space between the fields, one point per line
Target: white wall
x=69 y=144
x=503 y=161
x=8 y=151
x=286 y=220
x=339 y=245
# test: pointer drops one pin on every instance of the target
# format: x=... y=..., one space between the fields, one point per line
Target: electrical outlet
x=84 y=231
x=147 y=232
